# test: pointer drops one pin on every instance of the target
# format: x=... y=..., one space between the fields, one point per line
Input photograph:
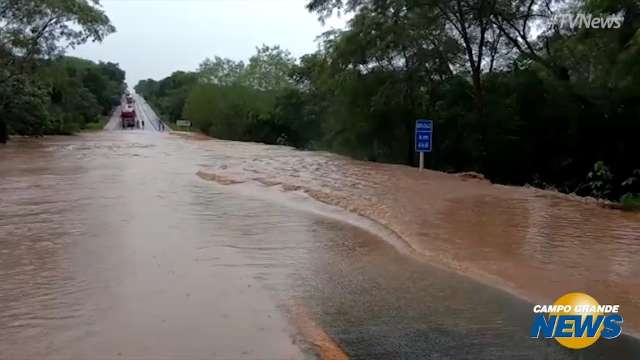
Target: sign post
x=424 y=137
x=183 y=123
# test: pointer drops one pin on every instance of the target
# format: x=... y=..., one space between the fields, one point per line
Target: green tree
x=227 y=112
x=168 y=95
x=513 y=95
x=80 y=91
x=268 y=69
x=221 y=71
x=33 y=30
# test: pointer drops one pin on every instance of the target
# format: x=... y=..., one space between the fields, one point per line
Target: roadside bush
x=233 y=112
x=61 y=97
x=630 y=202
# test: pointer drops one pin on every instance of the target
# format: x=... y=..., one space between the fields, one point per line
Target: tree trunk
x=480 y=120
x=4 y=136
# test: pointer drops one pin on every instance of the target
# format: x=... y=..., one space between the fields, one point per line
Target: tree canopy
x=514 y=93
x=32 y=32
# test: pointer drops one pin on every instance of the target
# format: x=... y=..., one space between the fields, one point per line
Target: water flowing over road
x=146 y=245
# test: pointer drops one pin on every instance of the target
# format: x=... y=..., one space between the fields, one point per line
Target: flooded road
x=135 y=244
x=532 y=243
x=149 y=120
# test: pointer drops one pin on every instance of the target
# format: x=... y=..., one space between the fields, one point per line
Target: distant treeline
x=560 y=110
x=41 y=91
x=63 y=96
x=514 y=94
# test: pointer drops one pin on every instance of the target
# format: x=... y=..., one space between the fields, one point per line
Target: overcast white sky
x=156 y=37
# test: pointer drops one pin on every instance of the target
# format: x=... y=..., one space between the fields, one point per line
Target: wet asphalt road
x=144 y=112
x=111 y=247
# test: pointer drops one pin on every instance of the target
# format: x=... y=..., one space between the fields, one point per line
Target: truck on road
x=128 y=116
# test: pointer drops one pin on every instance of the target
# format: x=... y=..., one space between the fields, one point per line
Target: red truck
x=128 y=116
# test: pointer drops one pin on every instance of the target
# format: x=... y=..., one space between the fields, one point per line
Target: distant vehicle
x=128 y=116
x=129 y=99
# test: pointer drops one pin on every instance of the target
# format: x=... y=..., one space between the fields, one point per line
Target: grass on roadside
x=630 y=202
x=96 y=125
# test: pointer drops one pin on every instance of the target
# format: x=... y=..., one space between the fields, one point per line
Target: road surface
x=144 y=112
x=117 y=245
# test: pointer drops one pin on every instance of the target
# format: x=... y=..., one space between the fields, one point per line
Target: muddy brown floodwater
x=140 y=245
x=533 y=243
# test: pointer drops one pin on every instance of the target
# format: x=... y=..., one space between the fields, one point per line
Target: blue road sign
x=424 y=135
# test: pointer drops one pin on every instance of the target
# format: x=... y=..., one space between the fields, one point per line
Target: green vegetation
x=97 y=125
x=557 y=109
x=167 y=96
x=514 y=94
x=630 y=202
x=42 y=92
x=225 y=98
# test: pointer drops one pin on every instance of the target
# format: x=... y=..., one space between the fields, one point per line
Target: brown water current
x=536 y=244
x=141 y=245
x=110 y=247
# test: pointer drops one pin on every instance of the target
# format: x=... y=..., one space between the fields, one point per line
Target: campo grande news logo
x=576 y=321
